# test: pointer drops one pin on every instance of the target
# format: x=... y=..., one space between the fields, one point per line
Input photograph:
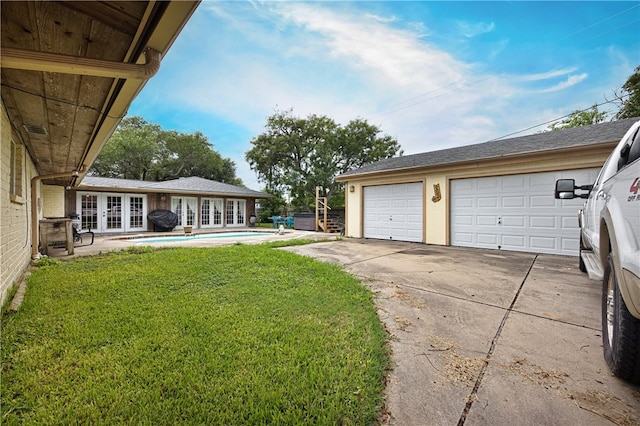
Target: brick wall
x=53 y=201
x=15 y=212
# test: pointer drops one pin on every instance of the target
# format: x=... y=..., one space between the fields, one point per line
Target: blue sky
x=431 y=74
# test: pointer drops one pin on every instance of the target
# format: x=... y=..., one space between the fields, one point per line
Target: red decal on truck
x=635 y=186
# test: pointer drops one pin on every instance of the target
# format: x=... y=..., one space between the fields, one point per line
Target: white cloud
x=548 y=75
x=383 y=19
x=379 y=50
x=470 y=30
x=572 y=80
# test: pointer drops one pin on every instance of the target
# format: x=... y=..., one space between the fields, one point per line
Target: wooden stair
x=332 y=225
x=324 y=221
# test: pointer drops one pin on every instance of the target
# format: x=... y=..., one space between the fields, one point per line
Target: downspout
x=54 y=62
x=35 y=238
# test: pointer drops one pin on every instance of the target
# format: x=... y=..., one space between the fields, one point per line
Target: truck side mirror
x=565 y=189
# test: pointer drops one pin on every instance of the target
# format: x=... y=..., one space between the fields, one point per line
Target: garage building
x=495 y=195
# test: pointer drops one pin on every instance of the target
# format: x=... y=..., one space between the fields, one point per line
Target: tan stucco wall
x=53 y=201
x=15 y=224
x=436 y=213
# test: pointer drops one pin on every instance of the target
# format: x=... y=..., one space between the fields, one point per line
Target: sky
x=433 y=75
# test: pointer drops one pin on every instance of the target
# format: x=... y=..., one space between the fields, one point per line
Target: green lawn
x=238 y=335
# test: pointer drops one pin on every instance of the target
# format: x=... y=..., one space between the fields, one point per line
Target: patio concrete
x=485 y=337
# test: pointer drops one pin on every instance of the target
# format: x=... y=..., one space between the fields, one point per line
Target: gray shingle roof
x=574 y=137
x=184 y=185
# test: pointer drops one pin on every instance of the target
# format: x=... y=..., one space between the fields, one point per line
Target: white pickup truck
x=610 y=249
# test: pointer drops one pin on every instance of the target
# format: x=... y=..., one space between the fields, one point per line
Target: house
x=495 y=195
x=70 y=70
x=109 y=205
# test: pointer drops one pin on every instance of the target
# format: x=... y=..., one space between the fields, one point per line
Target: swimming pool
x=178 y=238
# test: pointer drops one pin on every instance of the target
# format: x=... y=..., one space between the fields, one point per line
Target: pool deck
x=107 y=243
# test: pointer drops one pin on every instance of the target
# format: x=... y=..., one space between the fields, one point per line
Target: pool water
x=178 y=238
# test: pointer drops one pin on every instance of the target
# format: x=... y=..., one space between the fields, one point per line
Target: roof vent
x=34 y=128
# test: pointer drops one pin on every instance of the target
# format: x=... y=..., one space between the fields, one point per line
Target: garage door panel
x=543 y=181
x=464 y=220
x=547 y=222
x=570 y=244
x=465 y=237
x=487 y=202
x=570 y=221
x=542 y=201
x=487 y=220
x=464 y=203
x=514 y=221
x=488 y=183
x=513 y=242
x=517 y=212
x=542 y=243
x=514 y=202
x=414 y=219
x=513 y=182
x=394 y=212
x=487 y=240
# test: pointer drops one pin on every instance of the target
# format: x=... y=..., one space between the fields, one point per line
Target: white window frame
x=17 y=170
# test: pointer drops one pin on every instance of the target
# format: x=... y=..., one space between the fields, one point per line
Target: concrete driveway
x=485 y=337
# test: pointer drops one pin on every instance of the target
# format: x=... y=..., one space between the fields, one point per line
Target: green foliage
x=628 y=97
x=579 y=118
x=269 y=207
x=143 y=151
x=294 y=155
x=223 y=336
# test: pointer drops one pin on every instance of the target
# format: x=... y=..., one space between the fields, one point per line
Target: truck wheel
x=620 y=330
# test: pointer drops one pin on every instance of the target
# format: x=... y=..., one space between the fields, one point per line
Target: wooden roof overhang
x=70 y=70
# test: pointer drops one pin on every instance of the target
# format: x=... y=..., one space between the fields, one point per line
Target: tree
x=143 y=151
x=273 y=206
x=295 y=155
x=131 y=152
x=579 y=118
x=628 y=97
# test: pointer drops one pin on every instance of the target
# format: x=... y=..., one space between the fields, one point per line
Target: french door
x=236 y=211
x=211 y=212
x=107 y=212
x=186 y=208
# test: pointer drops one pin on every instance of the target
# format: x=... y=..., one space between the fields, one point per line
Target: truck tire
x=620 y=330
x=581 y=264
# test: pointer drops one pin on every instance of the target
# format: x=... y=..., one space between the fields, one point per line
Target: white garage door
x=393 y=212
x=517 y=212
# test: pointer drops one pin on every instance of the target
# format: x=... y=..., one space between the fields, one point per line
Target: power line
x=550 y=121
x=600 y=22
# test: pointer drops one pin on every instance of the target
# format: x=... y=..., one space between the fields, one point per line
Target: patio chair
x=77 y=235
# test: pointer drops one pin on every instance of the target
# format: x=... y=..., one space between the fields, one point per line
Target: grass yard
x=238 y=335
